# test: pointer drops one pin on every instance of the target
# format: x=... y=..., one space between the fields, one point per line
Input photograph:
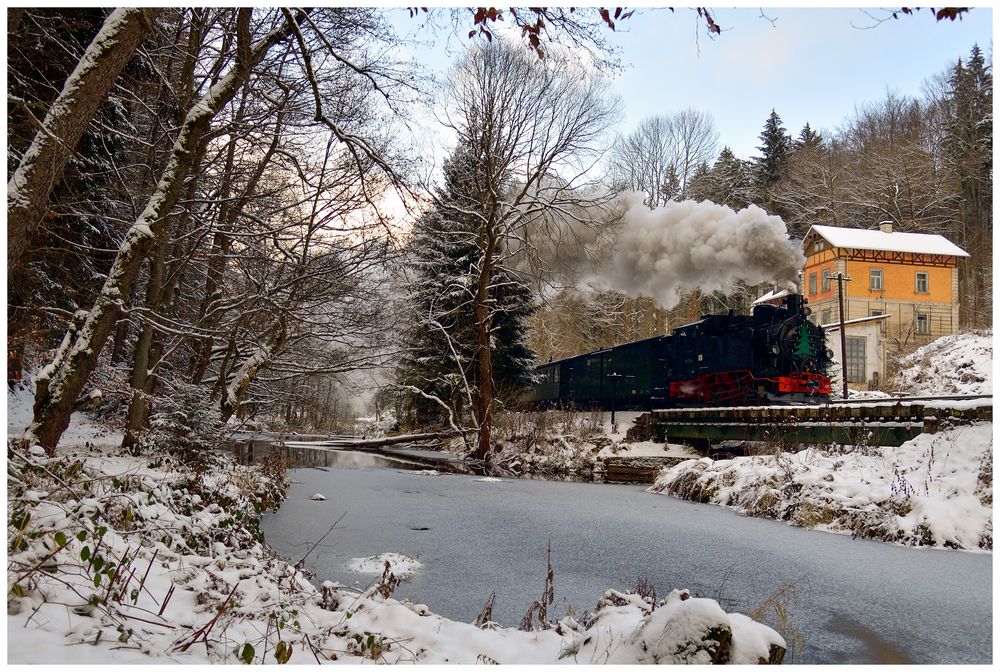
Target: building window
x=825 y=318
x=855 y=359
x=875 y=313
x=875 y=279
x=812 y=284
x=826 y=281
x=818 y=245
x=923 y=283
x=923 y=323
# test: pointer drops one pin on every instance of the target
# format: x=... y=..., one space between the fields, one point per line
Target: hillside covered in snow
x=959 y=364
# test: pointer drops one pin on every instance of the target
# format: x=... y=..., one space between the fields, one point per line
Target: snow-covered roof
x=864 y=239
x=856 y=320
x=772 y=295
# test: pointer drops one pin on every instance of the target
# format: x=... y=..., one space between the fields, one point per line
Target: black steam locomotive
x=774 y=356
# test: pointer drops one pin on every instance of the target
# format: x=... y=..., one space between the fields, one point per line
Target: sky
x=809 y=65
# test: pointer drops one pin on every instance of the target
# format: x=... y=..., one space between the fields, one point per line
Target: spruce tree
x=441 y=346
x=774 y=151
x=808 y=139
x=772 y=165
x=968 y=148
x=727 y=182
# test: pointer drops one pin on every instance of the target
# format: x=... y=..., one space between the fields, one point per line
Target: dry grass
x=776 y=610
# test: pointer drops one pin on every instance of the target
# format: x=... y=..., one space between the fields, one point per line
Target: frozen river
x=855 y=601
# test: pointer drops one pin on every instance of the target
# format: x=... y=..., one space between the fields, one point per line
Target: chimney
x=885 y=227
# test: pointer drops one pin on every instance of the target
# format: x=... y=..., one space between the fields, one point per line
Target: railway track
x=885 y=422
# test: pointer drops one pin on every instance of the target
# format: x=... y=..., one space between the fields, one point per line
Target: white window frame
x=827 y=279
x=926 y=277
x=922 y=319
x=812 y=284
x=874 y=286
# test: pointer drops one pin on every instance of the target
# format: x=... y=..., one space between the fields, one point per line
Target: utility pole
x=843 y=337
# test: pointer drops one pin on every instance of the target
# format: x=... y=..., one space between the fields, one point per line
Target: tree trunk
x=142 y=380
x=235 y=390
x=483 y=401
x=60 y=383
x=85 y=90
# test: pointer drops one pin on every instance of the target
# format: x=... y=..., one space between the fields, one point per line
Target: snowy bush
x=184 y=420
x=935 y=490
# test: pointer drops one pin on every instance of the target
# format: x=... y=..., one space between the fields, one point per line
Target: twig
x=298 y=565
x=166 y=599
x=205 y=629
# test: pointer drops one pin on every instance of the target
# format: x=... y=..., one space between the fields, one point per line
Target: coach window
x=875 y=279
x=855 y=359
x=812 y=284
x=923 y=284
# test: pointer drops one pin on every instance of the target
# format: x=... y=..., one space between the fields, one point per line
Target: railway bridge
x=882 y=422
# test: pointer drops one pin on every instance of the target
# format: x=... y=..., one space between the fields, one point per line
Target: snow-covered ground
x=122 y=559
x=935 y=490
x=959 y=364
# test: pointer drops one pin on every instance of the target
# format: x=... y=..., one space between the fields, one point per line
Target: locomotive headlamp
x=776 y=349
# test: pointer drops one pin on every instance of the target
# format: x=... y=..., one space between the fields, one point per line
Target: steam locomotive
x=774 y=356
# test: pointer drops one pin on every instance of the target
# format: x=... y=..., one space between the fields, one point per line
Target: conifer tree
x=442 y=344
x=772 y=164
x=968 y=148
x=808 y=139
x=774 y=151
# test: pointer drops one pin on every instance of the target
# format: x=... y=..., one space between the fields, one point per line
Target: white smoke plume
x=668 y=251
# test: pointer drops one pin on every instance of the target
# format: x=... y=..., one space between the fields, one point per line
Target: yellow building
x=910 y=277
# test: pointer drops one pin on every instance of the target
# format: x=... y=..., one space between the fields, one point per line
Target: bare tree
x=661 y=155
x=66 y=120
x=59 y=383
x=526 y=123
x=694 y=139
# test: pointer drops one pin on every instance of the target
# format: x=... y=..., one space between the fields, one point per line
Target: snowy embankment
x=960 y=364
x=573 y=442
x=935 y=490
x=160 y=558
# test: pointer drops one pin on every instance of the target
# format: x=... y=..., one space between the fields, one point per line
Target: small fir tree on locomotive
x=775 y=355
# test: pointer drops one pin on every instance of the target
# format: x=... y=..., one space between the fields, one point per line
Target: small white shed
x=865 y=351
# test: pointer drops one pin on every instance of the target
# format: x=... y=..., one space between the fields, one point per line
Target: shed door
x=855 y=359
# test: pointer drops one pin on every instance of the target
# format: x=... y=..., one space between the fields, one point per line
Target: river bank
x=116 y=558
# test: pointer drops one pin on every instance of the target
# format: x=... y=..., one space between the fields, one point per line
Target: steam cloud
x=671 y=250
